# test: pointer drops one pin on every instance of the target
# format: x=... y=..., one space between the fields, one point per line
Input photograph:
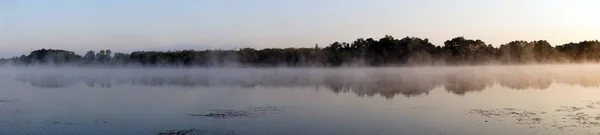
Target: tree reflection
x=50 y=81
x=384 y=84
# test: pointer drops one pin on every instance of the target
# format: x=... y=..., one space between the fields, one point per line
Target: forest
x=386 y=51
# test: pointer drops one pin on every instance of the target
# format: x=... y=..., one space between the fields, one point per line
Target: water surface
x=546 y=99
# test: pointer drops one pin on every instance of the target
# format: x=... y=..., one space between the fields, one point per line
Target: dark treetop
x=387 y=51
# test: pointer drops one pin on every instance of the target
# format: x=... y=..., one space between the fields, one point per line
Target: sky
x=119 y=25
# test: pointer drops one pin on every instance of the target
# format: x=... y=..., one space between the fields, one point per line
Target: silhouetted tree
x=387 y=51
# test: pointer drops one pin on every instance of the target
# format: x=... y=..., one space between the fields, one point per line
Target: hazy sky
x=166 y=24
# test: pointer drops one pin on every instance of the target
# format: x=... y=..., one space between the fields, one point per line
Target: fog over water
x=526 y=99
x=387 y=82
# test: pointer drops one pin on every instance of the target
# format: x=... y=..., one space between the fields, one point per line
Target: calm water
x=551 y=99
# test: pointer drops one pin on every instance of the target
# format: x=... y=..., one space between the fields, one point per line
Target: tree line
x=386 y=51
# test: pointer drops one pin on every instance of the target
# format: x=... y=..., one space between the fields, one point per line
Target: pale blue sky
x=124 y=25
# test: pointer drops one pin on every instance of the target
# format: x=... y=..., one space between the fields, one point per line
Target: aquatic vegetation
x=576 y=117
x=521 y=116
x=194 y=131
x=250 y=112
x=63 y=123
x=592 y=104
x=8 y=100
x=226 y=114
x=569 y=109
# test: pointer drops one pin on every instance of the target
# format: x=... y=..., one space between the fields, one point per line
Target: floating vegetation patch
x=585 y=120
x=521 y=116
x=226 y=114
x=416 y=107
x=250 y=112
x=100 y=122
x=566 y=118
x=14 y=111
x=63 y=123
x=194 y=131
x=261 y=111
x=569 y=109
x=593 y=104
x=8 y=100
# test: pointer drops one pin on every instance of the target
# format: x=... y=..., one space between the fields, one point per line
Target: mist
x=261 y=68
x=98 y=97
x=385 y=52
x=387 y=82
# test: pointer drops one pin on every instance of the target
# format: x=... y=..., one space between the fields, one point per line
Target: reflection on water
x=362 y=82
x=443 y=100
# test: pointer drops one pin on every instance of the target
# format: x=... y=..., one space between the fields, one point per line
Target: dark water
x=550 y=99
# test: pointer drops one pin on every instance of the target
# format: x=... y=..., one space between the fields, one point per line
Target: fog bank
x=387 y=82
